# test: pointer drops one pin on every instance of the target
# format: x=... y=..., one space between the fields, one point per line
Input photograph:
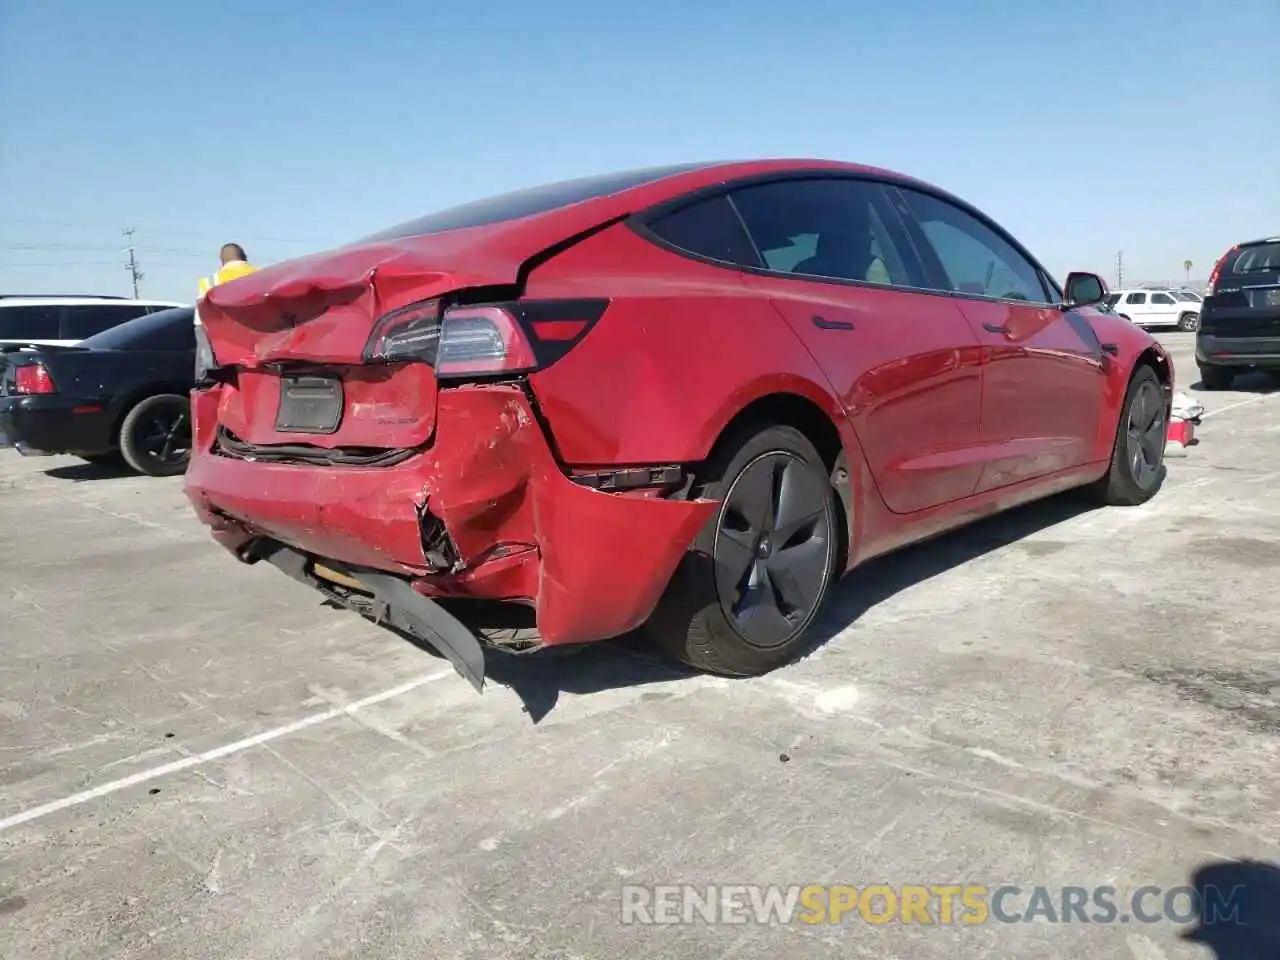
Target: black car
x=121 y=394
x=1240 y=317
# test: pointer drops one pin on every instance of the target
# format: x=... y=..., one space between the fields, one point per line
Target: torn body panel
x=592 y=564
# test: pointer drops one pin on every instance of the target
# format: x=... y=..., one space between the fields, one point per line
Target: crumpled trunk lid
x=294 y=336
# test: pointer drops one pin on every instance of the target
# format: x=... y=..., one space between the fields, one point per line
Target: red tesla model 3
x=687 y=398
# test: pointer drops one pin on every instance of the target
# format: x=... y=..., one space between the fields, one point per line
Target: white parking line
x=1261 y=398
x=45 y=809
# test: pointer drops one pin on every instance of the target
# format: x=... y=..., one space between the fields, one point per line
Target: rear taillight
x=33 y=379
x=482 y=341
x=1217 y=269
x=504 y=339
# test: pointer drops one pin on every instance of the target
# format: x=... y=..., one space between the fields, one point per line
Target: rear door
x=905 y=365
x=1044 y=376
x=1135 y=307
x=1163 y=311
x=1245 y=300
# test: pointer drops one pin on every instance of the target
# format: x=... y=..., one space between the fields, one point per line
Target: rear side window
x=166 y=331
x=828 y=228
x=528 y=202
x=1136 y=298
x=708 y=228
x=30 y=323
x=82 y=322
x=1260 y=258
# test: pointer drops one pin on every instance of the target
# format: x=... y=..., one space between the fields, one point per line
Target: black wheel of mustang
x=1137 y=460
x=746 y=593
x=155 y=437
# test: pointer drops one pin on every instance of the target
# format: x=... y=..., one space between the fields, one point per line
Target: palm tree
x=1186 y=266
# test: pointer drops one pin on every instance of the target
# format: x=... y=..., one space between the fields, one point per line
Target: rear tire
x=1137 y=458
x=1217 y=378
x=745 y=595
x=1189 y=322
x=155 y=437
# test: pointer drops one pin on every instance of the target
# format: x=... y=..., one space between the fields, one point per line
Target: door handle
x=824 y=324
x=995 y=328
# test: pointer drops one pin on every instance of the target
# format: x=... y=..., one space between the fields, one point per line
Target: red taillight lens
x=410 y=333
x=1217 y=269
x=33 y=379
x=484 y=340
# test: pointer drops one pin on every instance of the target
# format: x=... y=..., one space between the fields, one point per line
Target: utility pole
x=132 y=264
x=1119 y=269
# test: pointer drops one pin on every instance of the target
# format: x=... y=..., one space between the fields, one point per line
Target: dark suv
x=1240 y=318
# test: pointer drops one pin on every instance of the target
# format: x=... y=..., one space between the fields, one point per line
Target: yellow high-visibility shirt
x=229 y=271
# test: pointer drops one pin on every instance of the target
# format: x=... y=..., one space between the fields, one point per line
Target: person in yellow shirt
x=235 y=263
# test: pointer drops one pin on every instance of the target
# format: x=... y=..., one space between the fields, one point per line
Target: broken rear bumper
x=484 y=512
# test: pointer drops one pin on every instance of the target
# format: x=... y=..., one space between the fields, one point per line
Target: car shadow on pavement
x=80 y=472
x=1239 y=908
x=539 y=679
x=878 y=580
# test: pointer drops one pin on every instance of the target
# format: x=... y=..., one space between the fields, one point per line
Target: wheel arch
x=805 y=413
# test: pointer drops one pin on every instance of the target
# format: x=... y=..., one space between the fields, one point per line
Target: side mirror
x=1085 y=289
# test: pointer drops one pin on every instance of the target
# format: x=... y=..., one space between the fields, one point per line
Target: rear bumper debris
x=392 y=601
x=484 y=511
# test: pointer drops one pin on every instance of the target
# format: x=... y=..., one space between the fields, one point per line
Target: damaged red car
x=687 y=398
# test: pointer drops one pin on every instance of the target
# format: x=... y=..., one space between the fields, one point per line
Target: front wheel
x=155 y=437
x=1137 y=459
x=1189 y=322
x=744 y=596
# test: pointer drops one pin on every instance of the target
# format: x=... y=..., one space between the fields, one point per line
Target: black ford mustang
x=122 y=394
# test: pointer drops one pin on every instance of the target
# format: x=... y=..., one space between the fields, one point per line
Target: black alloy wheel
x=773 y=548
x=155 y=437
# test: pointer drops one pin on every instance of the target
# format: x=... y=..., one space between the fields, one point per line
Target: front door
x=906 y=366
x=1045 y=374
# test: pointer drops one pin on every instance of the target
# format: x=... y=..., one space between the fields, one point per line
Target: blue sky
x=1085 y=127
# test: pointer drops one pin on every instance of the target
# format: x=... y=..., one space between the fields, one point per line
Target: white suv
x=53 y=321
x=1157 y=308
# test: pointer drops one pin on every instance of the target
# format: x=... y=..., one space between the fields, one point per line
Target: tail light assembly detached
x=34 y=380
x=485 y=340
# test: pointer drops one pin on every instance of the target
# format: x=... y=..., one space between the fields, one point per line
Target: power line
x=78 y=225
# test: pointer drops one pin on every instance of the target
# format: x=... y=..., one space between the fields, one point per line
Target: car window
x=1052 y=293
x=829 y=228
x=1113 y=299
x=1137 y=298
x=975 y=258
x=82 y=321
x=1162 y=298
x=1260 y=258
x=708 y=228
x=29 y=323
x=169 y=330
